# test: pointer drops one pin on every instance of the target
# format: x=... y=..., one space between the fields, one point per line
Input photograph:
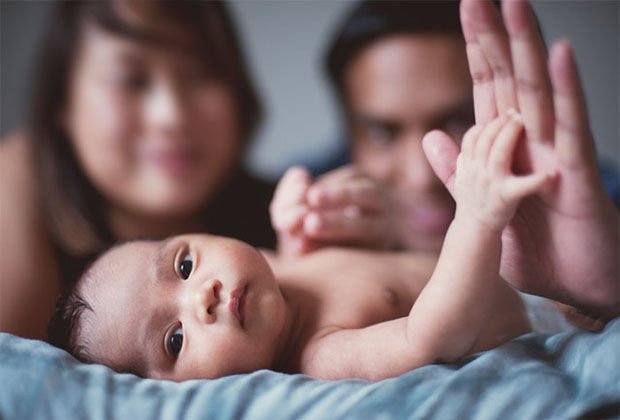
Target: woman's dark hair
x=72 y=205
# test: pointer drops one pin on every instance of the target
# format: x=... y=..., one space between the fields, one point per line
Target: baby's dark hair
x=65 y=326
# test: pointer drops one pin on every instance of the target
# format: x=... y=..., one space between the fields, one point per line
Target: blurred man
x=403 y=73
x=400 y=70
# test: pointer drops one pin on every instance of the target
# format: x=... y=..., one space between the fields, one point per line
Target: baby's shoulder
x=359 y=258
x=343 y=261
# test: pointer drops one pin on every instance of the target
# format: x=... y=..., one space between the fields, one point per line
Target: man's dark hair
x=370 y=21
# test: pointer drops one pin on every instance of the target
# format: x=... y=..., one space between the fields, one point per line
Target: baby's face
x=194 y=306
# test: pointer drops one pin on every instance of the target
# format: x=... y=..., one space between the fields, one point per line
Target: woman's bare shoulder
x=18 y=187
x=16 y=154
x=29 y=276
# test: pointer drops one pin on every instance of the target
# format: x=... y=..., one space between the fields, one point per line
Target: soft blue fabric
x=535 y=376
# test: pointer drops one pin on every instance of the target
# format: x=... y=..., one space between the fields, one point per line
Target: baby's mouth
x=237 y=304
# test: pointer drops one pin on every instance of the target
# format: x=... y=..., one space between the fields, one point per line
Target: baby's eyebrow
x=151 y=339
x=151 y=333
x=163 y=260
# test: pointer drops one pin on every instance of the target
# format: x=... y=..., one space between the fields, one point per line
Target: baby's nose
x=208 y=297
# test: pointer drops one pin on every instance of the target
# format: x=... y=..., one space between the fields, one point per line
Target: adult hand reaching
x=342 y=207
x=563 y=243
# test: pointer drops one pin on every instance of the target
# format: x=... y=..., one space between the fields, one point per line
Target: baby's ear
x=441 y=152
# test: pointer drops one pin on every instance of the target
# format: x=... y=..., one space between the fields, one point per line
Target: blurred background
x=285 y=41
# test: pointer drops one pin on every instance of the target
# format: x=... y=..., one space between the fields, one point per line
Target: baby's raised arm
x=455 y=306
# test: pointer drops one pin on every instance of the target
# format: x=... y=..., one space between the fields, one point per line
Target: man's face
x=193 y=306
x=397 y=90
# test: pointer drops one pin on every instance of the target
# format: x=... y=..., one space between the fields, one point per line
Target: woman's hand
x=342 y=207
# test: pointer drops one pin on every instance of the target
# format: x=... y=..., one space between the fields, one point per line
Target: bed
x=567 y=375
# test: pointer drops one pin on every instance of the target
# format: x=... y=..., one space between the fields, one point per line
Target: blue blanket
x=535 y=376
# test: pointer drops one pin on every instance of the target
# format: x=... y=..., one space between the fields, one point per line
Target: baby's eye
x=175 y=342
x=185 y=267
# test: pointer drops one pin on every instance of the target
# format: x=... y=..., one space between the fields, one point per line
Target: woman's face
x=154 y=130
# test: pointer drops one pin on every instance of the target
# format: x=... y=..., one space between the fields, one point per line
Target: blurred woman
x=141 y=115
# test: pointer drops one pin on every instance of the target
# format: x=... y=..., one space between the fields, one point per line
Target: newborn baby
x=201 y=306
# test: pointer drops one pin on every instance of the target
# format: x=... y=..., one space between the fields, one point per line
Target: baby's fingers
x=503 y=149
x=519 y=187
x=487 y=137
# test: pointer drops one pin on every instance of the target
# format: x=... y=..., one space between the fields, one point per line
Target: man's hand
x=342 y=207
x=564 y=242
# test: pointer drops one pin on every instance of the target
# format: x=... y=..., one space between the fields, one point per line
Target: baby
x=200 y=306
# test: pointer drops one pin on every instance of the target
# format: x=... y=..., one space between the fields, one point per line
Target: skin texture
x=398 y=89
x=297 y=320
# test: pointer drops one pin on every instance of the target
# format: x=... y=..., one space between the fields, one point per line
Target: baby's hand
x=343 y=207
x=485 y=188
